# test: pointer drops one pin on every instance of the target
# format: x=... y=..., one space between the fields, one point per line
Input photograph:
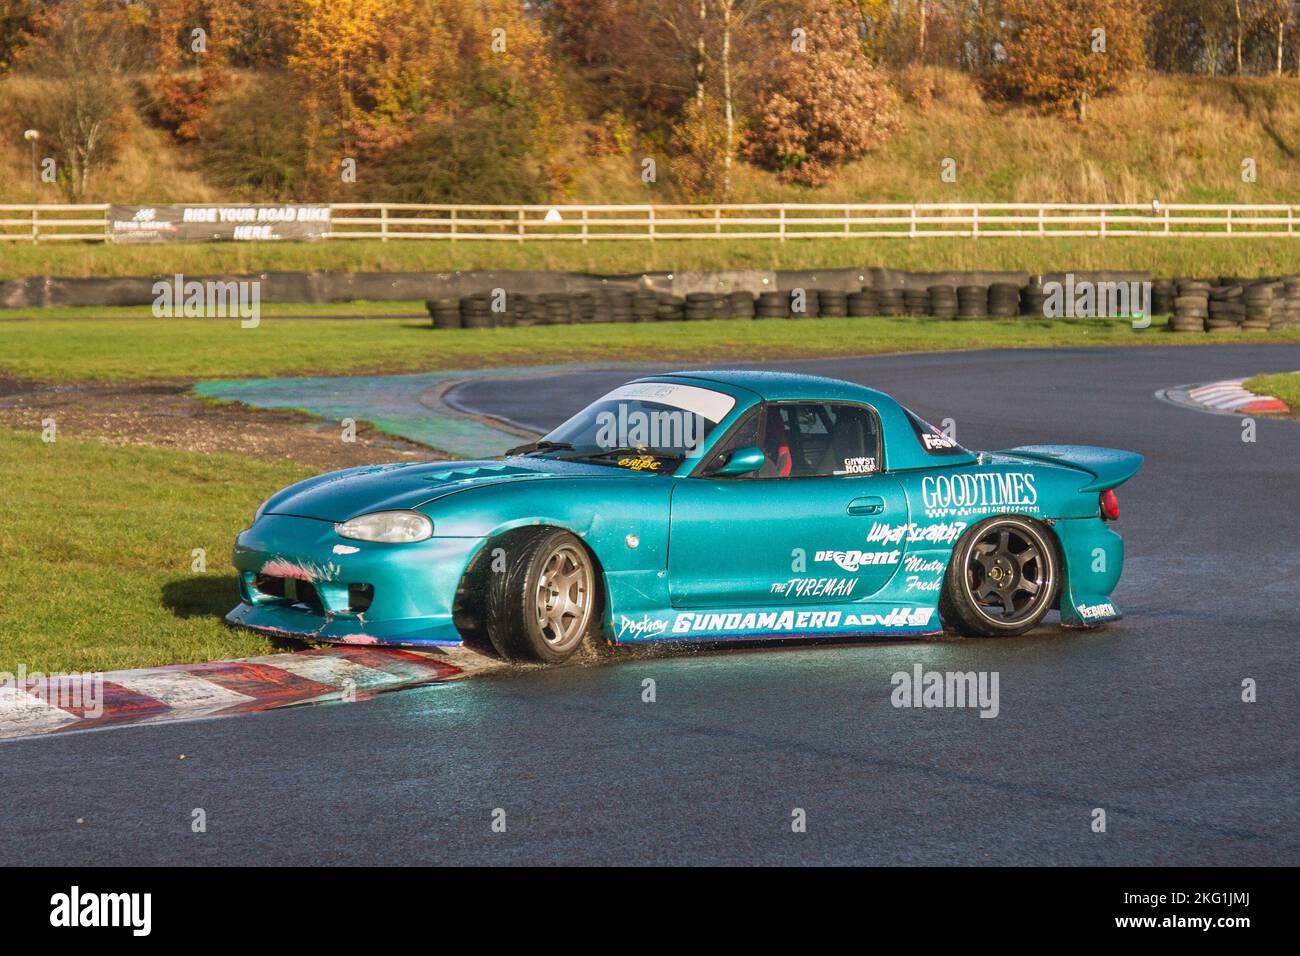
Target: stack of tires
x=833 y=303
x=972 y=302
x=1258 y=300
x=863 y=303
x=772 y=305
x=1163 y=293
x=1227 y=309
x=445 y=312
x=1004 y=300
x=890 y=301
x=1032 y=298
x=476 y=312
x=618 y=305
x=916 y=301
x=1286 y=314
x=556 y=308
x=671 y=308
x=645 y=306
x=583 y=307
x=701 y=306
x=1191 y=306
x=805 y=304
x=943 y=301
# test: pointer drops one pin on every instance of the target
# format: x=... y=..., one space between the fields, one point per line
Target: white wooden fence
x=780 y=221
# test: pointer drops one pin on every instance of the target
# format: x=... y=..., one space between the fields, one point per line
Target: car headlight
x=387 y=527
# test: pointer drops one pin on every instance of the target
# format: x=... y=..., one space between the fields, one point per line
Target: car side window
x=823 y=439
x=807 y=440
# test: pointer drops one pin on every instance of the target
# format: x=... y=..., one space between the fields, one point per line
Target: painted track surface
x=1143 y=718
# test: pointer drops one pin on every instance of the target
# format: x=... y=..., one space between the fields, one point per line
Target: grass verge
x=98 y=546
x=1283 y=385
x=129 y=349
x=1174 y=256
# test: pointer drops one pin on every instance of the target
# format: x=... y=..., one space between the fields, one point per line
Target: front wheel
x=542 y=605
x=1002 y=578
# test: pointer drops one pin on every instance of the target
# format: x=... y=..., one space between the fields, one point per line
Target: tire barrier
x=1230 y=304
x=491 y=299
x=1222 y=305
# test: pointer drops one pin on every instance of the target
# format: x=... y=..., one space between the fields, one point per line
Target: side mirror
x=742 y=461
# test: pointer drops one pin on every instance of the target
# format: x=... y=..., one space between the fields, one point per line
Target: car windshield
x=639 y=426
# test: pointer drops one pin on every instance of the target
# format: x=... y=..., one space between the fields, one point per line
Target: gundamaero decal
x=786 y=622
x=977 y=494
x=910 y=533
x=852 y=560
x=816 y=587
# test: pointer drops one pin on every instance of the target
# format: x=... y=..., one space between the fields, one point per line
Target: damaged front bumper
x=299 y=578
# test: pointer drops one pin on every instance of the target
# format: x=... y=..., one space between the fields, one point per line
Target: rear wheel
x=1002 y=578
x=542 y=606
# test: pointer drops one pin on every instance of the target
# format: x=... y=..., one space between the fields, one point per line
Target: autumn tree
x=822 y=105
x=15 y=20
x=1065 y=52
x=192 y=44
x=79 y=52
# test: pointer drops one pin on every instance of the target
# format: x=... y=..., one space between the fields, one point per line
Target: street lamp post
x=32 y=136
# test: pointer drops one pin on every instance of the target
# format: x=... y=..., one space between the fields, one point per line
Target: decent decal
x=816 y=587
x=937 y=442
x=942 y=533
x=783 y=622
x=969 y=494
x=858 y=466
x=852 y=560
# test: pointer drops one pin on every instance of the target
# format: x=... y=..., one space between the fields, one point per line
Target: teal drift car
x=695 y=506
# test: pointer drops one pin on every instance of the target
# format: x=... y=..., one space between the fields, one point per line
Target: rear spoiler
x=1109 y=467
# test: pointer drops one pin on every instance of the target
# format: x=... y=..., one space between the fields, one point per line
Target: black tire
x=998 y=550
x=524 y=625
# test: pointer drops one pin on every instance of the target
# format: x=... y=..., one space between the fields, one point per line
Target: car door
x=811 y=527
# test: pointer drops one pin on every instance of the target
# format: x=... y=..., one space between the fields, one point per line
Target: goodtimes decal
x=972 y=494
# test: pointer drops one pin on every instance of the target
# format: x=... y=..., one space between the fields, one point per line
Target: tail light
x=1109 y=505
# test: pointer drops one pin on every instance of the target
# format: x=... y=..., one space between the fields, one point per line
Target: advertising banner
x=216 y=222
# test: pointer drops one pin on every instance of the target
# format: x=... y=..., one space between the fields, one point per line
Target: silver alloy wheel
x=563 y=598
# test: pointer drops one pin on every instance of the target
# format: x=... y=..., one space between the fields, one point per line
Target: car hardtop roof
x=781 y=386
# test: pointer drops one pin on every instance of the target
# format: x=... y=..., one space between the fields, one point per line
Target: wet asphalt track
x=1143 y=719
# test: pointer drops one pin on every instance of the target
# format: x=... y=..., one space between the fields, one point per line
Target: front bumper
x=299 y=578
